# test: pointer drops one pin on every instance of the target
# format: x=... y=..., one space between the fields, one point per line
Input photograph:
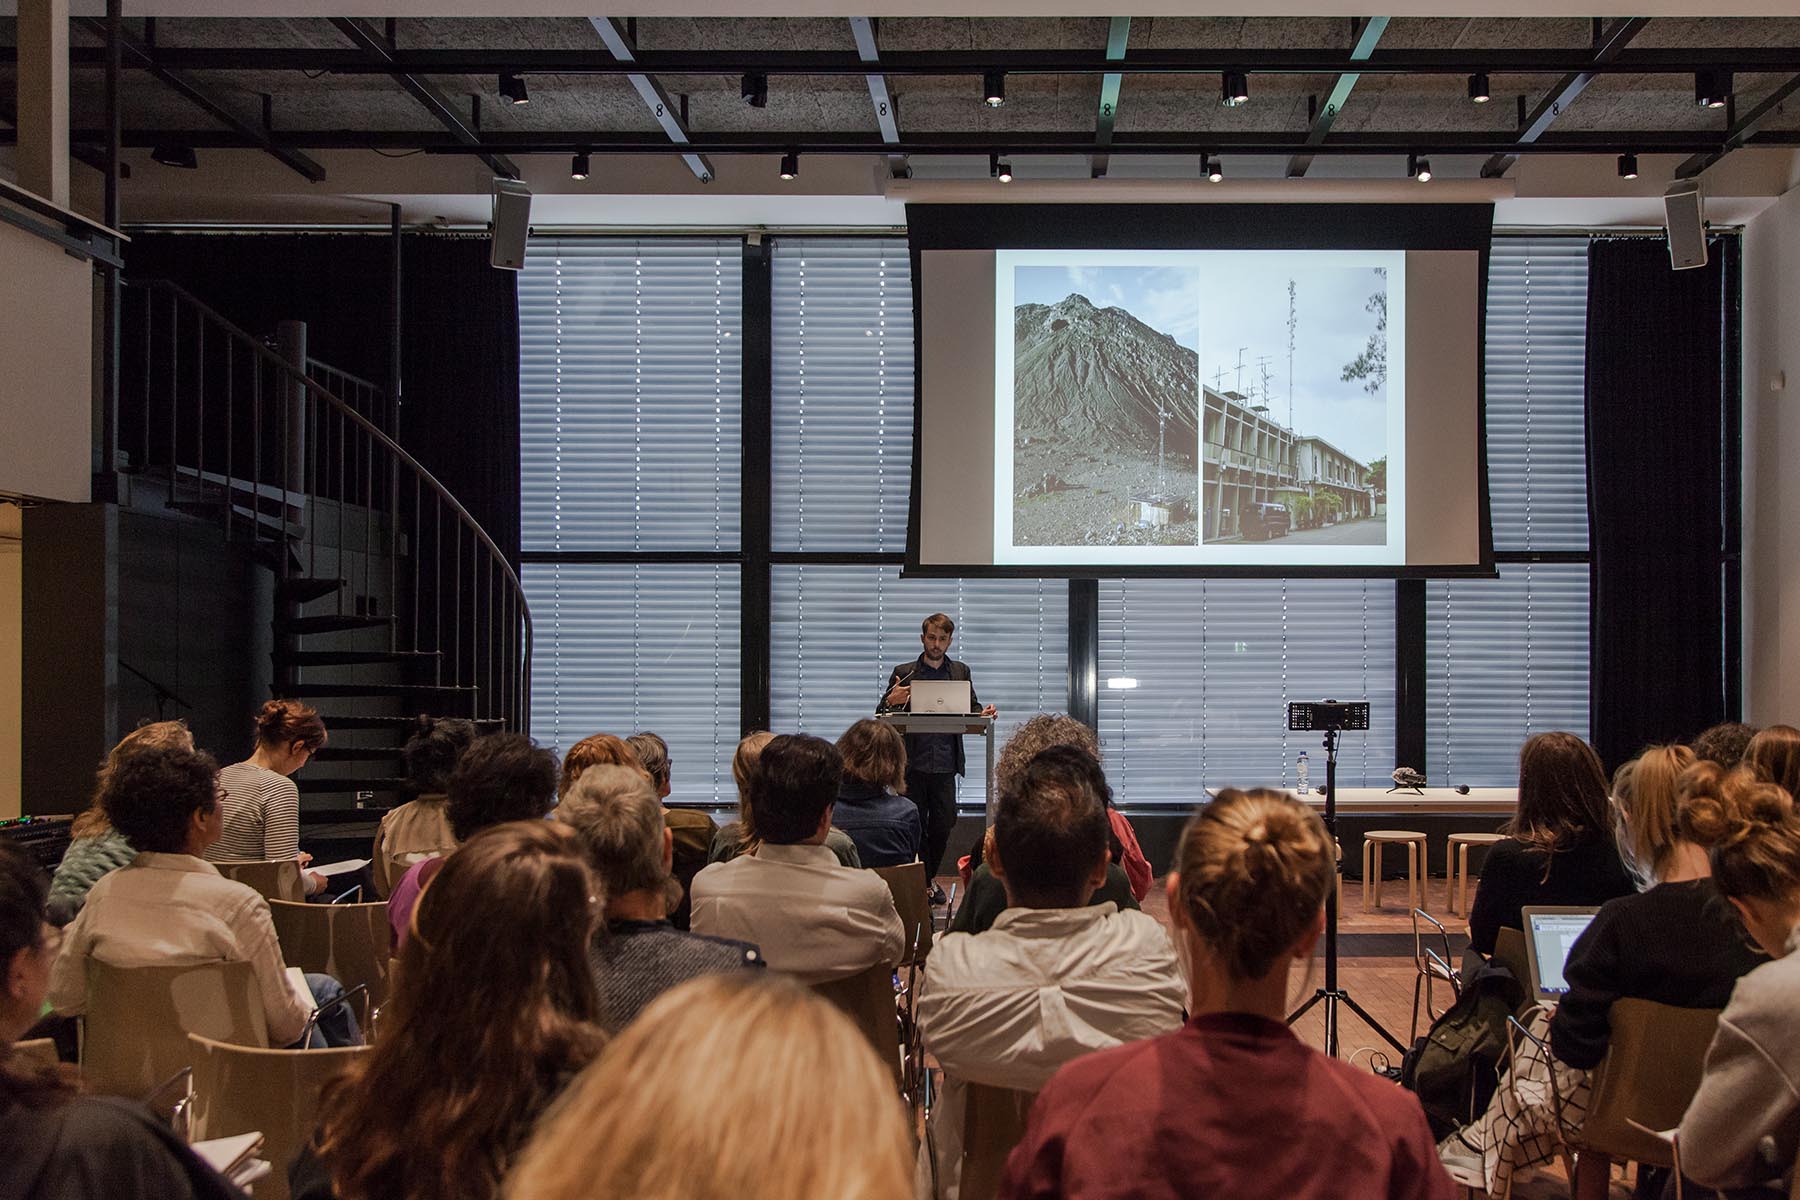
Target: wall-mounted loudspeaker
x=1686 y=225
x=511 y=226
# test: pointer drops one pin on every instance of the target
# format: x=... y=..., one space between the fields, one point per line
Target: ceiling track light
x=1479 y=91
x=1234 y=89
x=512 y=87
x=790 y=165
x=999 y=168
x=1712 y=88
x=1628 y=166
x=1418 y=168
x=993 y=88
x=1211 y=169
x=578 y=166
x=754 y=88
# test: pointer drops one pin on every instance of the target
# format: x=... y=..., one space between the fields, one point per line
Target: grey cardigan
x=1743 y=1126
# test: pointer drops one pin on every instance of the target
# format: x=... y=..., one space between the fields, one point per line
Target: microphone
x=1462 y=789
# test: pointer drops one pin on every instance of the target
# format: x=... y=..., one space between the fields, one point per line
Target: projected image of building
x=1325 y=468
x=1261 y=480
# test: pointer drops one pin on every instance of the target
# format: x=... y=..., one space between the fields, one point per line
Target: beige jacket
x=417 y=830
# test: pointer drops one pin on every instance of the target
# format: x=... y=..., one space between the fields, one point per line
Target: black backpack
x=1456 y=1066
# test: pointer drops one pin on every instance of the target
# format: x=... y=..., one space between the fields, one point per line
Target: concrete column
x=43 y=153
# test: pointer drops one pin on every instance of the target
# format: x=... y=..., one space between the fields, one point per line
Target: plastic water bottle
x=1300 y=773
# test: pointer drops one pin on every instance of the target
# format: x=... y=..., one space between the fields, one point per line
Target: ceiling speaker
x=511 y=225
x=1686 y=225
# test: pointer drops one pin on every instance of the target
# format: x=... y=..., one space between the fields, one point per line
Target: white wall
x=12 y=653
x=46 y=369
x=1771 y=576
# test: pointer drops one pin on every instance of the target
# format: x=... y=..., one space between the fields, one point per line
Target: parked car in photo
x=1266 y=521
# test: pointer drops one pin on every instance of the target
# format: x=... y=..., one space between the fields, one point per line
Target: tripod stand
x=1331 y=995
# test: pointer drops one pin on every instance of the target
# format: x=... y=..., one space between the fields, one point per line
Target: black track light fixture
x=578 y=166
x=790 y=165
x=1712 y=88
x=1211 y=169
x=754 y=88
x=993 y=89
x=175 y=156
x=999 y=168
x=512 y=87
x=1418 y=168
x=1628 y=166
x=1479 y=91
x=1234 y=89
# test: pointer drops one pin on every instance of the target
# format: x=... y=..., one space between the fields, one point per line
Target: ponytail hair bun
x=281 y=723
x=1749 y=827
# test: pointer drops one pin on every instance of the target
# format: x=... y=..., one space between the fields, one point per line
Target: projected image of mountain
x=1106 y=387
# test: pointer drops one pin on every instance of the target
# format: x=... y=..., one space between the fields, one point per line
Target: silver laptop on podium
x=941 y=696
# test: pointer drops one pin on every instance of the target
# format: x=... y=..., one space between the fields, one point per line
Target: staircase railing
x=336 y=506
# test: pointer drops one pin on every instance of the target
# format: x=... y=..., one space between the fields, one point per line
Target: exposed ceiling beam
x=1609 y=45
x=1118 y=36
x=376 y=48
x=1327 y=114
x=623 y=48
x=1210 y=61
x=1742 y=130
x=137 y=52
x=887 y=115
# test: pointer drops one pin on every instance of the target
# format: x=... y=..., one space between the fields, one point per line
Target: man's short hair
x=1724 y=743
x=501 y=777
x=940 y=622
x=653 y=752
x=1051 y=829
x=152 y=795
x=620 y=821
x=794 y=782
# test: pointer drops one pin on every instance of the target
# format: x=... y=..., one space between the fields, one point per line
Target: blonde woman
x=1232 y=1104
x=739 y=837
x=726 y=1088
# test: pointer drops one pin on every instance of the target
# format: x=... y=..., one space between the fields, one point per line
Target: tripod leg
x=1307 y=1007
x=1370 y=1021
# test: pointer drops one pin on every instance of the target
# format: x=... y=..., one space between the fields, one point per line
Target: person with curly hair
x=420 y=828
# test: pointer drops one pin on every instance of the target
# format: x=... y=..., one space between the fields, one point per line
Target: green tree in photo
x=1371 y=365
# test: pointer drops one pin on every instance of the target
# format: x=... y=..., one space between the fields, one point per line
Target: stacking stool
x=1456 y=866
x=1373 y=842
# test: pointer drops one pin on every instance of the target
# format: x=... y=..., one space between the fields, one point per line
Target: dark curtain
x=459 y=358
x=1662 y=442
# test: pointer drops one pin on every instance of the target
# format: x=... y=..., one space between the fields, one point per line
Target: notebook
x=1550 y=934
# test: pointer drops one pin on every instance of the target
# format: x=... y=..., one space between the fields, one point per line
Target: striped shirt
x=262 y=815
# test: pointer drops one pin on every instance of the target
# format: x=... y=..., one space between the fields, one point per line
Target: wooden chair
x=993 y=1123
x=346 y=941
x=867 y=998
x=134 y=1036
x=1374 y=842
x=1456 y=867
x=1509 y=952
x=272 y=878
x=243 y=1089
x=36 y=1051
x=911 y=898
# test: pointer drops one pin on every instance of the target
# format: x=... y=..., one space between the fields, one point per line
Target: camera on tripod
x=1328 y=714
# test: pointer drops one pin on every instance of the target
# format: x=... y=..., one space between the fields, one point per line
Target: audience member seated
x=813 y=917
x=492 y=1018
x=172 y=907
x=1232 y=1104
x=1742 y=1130
x=736 y=838
x=638 y=954
x=1054 y=978
x=1774 y=756
x=736 y=1087
x=597 y=750
x=262 y=805
x=61 y=1145
x=871 y=805
x=1674 y=943
x=95 y=847
x=501 y=777
x=1559 y=847
x=420 y=828
x=694 y=830
x=986 y=898
x=1724 y=744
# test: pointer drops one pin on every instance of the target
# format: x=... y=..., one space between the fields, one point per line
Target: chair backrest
x=271 y=878
x=36 y=1051
x=349 y=942
x=867 y=998
x=1652 y=1068
x=993 y=1123
x=911 y=898
x=242 y=1089
x=135 y=1033
x=1509 y=952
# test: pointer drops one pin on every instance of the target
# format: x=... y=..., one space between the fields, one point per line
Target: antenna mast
x=1293 y=320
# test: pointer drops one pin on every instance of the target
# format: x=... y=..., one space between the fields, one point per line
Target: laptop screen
x=1552 y=936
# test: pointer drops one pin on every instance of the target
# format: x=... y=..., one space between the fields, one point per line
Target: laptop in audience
x=1550 y=933
x=940 y=696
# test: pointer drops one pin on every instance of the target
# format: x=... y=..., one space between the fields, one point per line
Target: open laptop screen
x=1550 y=935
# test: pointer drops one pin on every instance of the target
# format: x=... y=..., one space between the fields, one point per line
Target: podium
x=973 y=723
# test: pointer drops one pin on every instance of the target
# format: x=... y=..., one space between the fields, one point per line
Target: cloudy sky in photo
x=1167 y=299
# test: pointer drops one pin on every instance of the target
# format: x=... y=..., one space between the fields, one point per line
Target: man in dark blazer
x=933 y=760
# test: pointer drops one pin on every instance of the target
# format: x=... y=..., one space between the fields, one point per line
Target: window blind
x=837 y=630
x=1195 y=676
x=629 y=401
x=625 y=648
x=843 y=393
